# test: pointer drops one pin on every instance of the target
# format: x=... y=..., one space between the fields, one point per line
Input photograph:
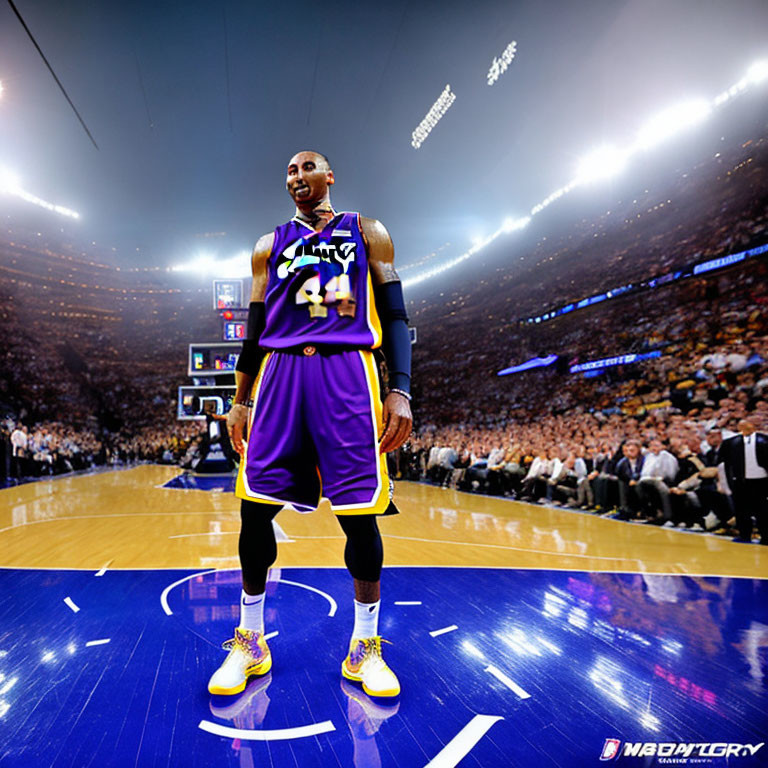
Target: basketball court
x=522 y=635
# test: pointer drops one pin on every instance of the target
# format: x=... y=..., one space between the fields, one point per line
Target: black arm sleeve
x=252 y=354
x=396 y=341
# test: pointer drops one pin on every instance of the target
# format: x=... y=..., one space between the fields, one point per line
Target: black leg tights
x=363 y=553
x=257 y=546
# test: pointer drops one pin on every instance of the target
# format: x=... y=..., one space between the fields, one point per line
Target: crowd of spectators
x=52 y=448
x=635 y=441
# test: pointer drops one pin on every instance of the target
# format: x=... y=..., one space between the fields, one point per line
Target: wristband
x=247 y=403
x=406 y=395
x=251 y=355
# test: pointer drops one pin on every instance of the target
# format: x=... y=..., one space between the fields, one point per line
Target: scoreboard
x=217 y=359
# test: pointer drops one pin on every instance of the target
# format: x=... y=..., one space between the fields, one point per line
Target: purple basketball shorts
x=314 y=432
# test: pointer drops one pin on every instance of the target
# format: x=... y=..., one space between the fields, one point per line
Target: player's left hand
x=237 y=418
x=398 y=422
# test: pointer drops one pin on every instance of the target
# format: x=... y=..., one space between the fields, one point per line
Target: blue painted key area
x=187 y=481
x=566 y=659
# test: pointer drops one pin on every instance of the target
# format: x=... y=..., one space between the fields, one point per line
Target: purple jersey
x=319 y=290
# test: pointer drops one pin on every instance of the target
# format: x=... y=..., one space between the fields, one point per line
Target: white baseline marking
x=407 y=602
x=562 y=569
x=97 y=642
x=511 y=684
x=442 y=631
x=278 y=734
x=271 y=635
x=71 y=604
x=460 y=745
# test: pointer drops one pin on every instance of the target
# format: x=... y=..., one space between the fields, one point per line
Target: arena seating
x=93 y=354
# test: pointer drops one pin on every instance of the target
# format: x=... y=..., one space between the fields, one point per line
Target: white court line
x=407 y=602
x=271 y=635
x=442 y=631
x=334 y=607
x=71 y=604
x=99 y=517
x=103 y=570
x=460 y=745
x=278 y=734
x=169 y=612
x=97 y=642
x=533 y=568
x=506 y=546
x=164 y=596
x=511 y=684
x=280 y=534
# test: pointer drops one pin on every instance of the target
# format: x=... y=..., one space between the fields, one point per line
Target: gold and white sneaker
x=364 y=664
x=248 y=655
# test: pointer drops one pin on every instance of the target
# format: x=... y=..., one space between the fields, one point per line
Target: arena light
x=500 y=66
x=534 y=362
x=758 y=72
x=10 y=184
x=235 y=267
x=512 y=225
x=672 y=121
x=601 y=163
x=432 y=118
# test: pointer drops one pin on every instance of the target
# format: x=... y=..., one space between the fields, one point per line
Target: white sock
x=366 y=620
x=252 y=611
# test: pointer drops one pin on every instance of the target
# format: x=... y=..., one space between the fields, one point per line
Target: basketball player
x=325 y=294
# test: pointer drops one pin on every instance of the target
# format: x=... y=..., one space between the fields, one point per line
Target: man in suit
x=628 y=471
x=745 y=460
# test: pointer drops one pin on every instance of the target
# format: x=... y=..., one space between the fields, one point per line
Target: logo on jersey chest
x=338 y=253
x=323 y=268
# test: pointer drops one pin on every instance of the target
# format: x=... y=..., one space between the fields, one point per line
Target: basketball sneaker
x=248 y=655
x=364 y=664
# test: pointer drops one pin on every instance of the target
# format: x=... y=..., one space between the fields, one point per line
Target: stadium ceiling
x=197 y=107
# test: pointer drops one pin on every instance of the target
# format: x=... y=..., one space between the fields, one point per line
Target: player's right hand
x=236 y=421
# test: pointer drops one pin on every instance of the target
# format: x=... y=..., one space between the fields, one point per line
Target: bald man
x=325 y=294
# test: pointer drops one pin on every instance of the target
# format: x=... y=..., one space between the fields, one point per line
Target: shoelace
x=237 y=642
x=373 y=648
